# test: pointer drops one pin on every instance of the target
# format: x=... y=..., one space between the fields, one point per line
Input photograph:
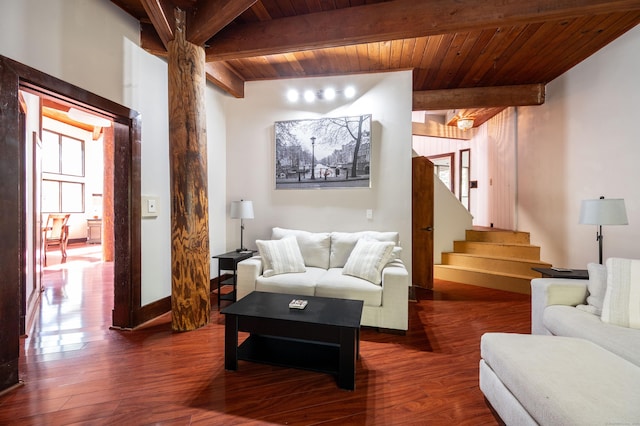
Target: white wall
x=581 y=144
x=250 y=160
x=95 y=45
x=450 y=220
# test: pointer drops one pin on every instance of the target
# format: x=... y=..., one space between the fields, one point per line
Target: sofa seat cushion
x=563 y=320
x=335 y=284
x=564 y=380
x=302 y=283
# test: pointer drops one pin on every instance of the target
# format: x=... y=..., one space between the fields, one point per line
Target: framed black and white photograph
x=323 y=153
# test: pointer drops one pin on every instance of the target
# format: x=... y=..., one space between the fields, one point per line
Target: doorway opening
x=14 y=180
x=66 y=182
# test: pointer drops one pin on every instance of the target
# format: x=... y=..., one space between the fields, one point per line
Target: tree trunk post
x=190 y=302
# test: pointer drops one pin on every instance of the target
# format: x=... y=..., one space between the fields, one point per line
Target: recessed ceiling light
x=293 y=95
x=309 y=96
x=349 y=92
x=329 y=94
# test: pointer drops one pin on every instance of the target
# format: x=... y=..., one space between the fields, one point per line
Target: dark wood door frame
x=127 y=311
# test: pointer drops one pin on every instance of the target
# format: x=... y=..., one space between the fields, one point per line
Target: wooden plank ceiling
x=476 y=57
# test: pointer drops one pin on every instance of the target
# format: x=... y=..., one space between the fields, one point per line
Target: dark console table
x=576 y=274
x=324 y=336
x=229 y=262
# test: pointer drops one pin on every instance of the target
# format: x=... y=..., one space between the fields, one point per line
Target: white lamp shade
x=604 y=211
x=241 y=209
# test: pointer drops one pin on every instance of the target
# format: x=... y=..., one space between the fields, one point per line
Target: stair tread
x=488 y=272
x=492 y=243
x=483 y=256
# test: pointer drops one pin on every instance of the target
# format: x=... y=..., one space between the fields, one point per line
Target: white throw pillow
x=342 y=243
x=622 y=299
x=597 y=287
x=280 y=256
x=367 y=259
x=314 y=246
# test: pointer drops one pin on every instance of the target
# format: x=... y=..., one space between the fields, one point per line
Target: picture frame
x=323 y=153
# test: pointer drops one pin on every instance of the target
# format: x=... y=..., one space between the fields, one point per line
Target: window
x=63 y=175
x=444 y=168
x=465 y=177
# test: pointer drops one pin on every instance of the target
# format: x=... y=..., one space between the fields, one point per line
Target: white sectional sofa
x=582 y=364
x=334 y=264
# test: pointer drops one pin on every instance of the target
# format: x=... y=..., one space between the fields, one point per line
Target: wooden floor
x=77 y=371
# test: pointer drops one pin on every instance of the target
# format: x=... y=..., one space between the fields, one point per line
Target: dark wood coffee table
x=324 y=336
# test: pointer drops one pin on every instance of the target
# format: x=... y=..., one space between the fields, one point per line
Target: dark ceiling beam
x=208 y=17
x=150 y=40
x=479 y=97
x=225 y=78
x=160 y=13
x=394 y=20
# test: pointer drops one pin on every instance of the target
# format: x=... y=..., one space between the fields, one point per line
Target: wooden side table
x=229 y=262
x=94 y=231
x=576 y=274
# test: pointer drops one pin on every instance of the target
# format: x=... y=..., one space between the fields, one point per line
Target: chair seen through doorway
x=56 y=232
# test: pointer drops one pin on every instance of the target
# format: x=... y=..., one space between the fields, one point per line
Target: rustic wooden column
x=190 y=303
x=108 y=235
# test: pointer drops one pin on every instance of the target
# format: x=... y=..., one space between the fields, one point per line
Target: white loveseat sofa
x=582 y=363
x=325 y=256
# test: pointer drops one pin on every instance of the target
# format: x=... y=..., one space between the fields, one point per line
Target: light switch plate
x=369 y=214
x=150 y=206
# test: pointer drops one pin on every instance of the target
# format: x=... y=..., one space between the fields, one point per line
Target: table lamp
x=603 y=211
x=241 y=210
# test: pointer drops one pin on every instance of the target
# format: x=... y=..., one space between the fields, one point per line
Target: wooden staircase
x=492 y=258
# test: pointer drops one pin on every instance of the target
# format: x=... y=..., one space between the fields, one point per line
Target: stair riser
x=483 y=279
x=498 y=250
x=513 y=237
x=508 y=266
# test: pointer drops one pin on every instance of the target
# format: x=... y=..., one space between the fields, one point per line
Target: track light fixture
x=328 y=94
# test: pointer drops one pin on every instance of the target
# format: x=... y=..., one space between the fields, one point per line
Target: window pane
x=50 y=152
x=72 y=197
x=72 y=157
x=50 y=196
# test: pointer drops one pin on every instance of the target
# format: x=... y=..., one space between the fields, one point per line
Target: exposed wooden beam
x=161 y=14
x=210 y=16
x=225 y=78
x=150 y=40
x=479 y=97
x=393 y=20
x=437 y=130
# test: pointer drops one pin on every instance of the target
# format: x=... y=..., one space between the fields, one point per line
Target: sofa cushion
x=335 y=284
x=622 y=299
x=342 y=243
x=367 y=260
x=297 y=283
x=314 y=246
x=280 y=256
x=563 y=320
x=597 y=287
x=563 y=380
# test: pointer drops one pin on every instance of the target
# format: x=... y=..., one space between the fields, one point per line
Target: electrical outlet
x=369 y=214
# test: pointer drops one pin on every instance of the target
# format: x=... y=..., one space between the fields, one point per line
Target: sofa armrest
x=248 y=271
x=395 y=296
x=554 y=291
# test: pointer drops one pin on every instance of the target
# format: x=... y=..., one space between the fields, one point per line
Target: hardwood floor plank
x=77 y=370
